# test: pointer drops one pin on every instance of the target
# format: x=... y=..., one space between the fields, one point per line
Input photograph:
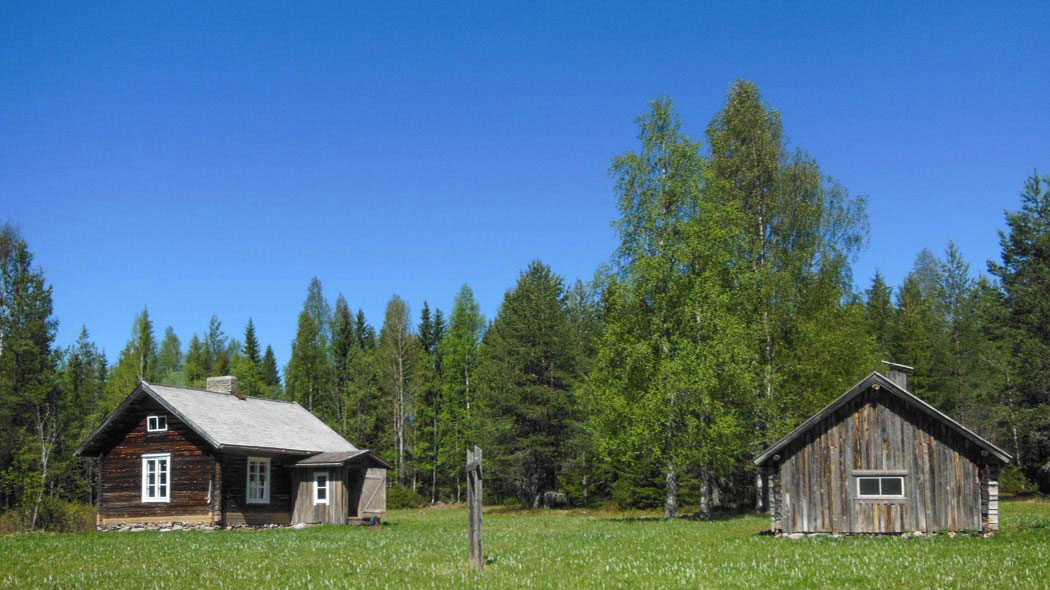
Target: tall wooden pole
x=474 y=493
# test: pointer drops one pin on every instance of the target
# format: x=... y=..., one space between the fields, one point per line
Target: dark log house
x=170 y=454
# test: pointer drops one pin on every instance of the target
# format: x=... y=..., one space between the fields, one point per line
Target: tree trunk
x=704 y=510
x=760 y=499
x=671 y=487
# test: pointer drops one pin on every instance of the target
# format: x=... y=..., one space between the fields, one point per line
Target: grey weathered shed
x=880 y=460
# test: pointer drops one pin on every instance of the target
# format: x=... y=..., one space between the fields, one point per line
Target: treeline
x=726 y=317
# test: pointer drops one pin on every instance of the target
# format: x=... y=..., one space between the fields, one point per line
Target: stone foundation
x=178 y=525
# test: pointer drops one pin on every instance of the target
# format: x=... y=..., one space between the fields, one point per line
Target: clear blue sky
x=212 y=158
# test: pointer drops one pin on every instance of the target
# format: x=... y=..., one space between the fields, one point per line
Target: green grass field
x=575 y=549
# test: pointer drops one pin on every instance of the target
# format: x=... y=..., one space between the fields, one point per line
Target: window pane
x=892 y=486
x=163 y=491
x=869 y=486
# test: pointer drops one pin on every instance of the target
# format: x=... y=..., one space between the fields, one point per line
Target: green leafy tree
x=670 y=366
x=169 y=358
x=459 y=350
x=797 y=231
x=397 y=359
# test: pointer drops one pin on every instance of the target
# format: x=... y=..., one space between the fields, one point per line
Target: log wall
x=815 y=486
x=120 y=481
x=235 y=506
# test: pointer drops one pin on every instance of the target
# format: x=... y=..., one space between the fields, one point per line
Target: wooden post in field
x=474 y=506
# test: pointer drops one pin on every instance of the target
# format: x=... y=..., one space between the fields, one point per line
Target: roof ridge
x=859 y=388
x=198 y=390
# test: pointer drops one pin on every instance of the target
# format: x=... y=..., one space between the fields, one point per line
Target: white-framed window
x=157 y=423
x=322 y=489
x=156 y=477
x=258 y=480
x=880 y=486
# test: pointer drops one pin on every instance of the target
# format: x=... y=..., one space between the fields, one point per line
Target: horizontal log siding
x=236 y=509
x=121 y=469
x=817 y=492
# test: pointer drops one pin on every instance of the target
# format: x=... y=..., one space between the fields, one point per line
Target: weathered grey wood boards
x=477 y=557
x=880 y=460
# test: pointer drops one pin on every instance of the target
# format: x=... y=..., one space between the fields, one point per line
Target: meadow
x=544 y=549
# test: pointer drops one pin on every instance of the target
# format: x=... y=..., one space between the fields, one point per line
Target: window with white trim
x=880 y=487
x=156 y=477
x=157 y=423
x=321 y=487
x=258 y=480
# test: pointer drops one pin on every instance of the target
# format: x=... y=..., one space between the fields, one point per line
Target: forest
x=726 y=316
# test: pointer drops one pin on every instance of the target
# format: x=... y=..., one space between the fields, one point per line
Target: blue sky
x=212 y=158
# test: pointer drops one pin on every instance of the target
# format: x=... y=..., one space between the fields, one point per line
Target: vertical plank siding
x=335 y=511
x=120 y=481
x=814 y=486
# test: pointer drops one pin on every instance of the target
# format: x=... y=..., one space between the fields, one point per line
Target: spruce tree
x=31 y=400
x=251 y=344
x=525 y=398
x=169 y=358
x=1024 y=273
x=271 y=376
x=137 y=362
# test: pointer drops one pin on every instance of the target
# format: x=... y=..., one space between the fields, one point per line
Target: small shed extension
x=880 y=460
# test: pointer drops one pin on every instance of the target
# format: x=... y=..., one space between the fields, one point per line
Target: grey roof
x=225 y=420
x=330 y=458
x=340 y=458
x=890 y=388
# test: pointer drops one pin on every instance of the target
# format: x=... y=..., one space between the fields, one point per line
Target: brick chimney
x=225 y=384
x=899 y=374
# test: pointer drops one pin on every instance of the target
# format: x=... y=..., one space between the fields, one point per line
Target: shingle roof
x=888 y=387
x=225 y=420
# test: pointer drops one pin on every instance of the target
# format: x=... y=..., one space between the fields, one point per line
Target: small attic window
x=156 y=423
